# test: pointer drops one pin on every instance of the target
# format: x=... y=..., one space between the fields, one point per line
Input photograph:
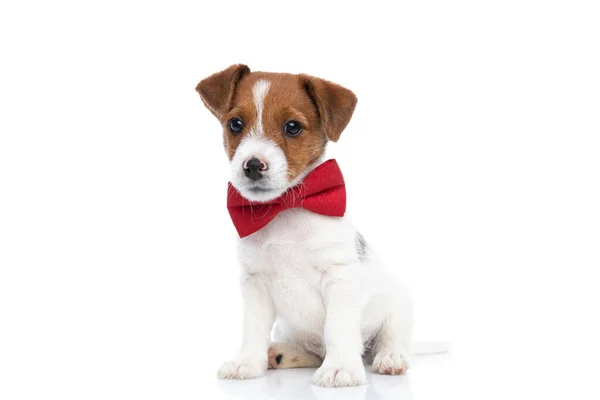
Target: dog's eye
x=236 y=125
x=292 y=128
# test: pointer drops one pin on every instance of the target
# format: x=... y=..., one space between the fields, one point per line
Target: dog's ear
x=217 y=90
x=335 y=104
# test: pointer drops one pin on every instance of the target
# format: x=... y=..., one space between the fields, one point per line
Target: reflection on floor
x=295 y=384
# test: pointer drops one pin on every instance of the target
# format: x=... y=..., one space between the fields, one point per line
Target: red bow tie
x=322 y=191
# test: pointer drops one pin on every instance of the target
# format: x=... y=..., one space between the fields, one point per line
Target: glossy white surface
x=428 y=372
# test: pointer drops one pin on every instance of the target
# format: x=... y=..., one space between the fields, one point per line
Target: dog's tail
x=422 y=348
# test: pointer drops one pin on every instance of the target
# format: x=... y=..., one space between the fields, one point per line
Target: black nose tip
x=253 y=168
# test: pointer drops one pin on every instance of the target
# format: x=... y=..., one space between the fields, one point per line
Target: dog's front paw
x=245 y=368
x=390 y=363
x=334 y=375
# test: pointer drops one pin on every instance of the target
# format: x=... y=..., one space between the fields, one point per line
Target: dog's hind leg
x=392 y=344
x=287 y=355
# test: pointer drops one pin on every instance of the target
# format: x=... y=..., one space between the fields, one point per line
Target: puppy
x=310 y=274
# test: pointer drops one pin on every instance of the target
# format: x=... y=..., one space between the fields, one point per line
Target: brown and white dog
x=314 y=277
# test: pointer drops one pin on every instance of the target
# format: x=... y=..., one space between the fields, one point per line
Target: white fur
x=259 y=92
x=302 y=273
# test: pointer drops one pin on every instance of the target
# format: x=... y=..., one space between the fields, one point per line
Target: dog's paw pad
x=390 y=363
x=242 y=369
x=340 y=377
x=275 y=357
x=286 y=355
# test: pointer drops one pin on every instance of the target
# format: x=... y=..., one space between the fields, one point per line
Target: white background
x=472 y=165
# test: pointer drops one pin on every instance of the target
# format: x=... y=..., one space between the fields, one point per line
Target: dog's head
x=275 y=126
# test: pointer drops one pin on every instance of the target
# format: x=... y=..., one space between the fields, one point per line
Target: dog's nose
x=254 y=167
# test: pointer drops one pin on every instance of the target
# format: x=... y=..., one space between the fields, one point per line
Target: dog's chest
x=290 y=256
x=297 y=297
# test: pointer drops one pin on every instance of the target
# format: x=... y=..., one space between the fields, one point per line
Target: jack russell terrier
x=305 y=269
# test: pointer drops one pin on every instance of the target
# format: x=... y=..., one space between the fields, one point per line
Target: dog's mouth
x=259 y=192
x=261 y=186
